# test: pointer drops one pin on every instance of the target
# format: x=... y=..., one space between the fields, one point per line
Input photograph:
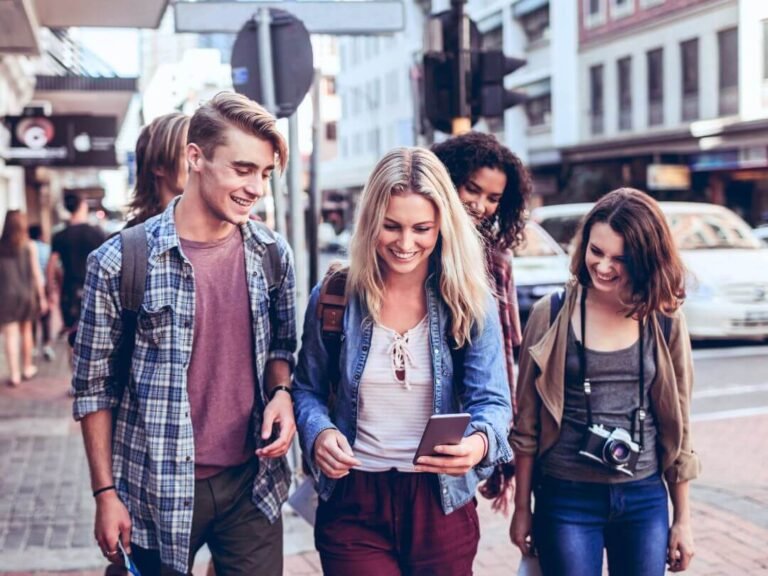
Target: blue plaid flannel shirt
x=153 y=444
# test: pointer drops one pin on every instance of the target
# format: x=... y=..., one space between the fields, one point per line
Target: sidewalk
x=46 y=509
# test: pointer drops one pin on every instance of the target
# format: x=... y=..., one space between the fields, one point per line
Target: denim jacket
x=484 y=392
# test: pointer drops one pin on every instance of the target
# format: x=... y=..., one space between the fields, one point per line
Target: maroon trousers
x=392 y=524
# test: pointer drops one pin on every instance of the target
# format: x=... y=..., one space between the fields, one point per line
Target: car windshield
x=536 y=243
x=701 y=231
x=562 y=228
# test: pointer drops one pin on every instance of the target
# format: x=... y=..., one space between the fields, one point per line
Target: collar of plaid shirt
x=153 y=443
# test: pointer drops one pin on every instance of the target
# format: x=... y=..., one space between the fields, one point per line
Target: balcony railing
x=625 y=119
x=729 y=101
x=691 y=106
x=655 y=112
x=597 y=123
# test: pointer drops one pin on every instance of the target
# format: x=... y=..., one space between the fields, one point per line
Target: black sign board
x=87 y=141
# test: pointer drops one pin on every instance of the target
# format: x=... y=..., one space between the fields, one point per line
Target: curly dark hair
x=465 y=154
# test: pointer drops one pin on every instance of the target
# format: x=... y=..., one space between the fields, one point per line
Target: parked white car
x=540 y=267
x=728 y=284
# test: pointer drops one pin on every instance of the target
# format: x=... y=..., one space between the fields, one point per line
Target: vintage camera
x=612 y=448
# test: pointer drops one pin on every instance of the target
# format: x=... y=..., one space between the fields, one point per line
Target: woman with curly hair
x=494 y=186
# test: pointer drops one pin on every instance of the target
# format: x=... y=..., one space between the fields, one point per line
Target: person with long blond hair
x=421 y=337
x=602 y=434
x=22 y=296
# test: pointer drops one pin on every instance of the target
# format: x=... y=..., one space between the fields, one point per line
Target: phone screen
x=442 y=429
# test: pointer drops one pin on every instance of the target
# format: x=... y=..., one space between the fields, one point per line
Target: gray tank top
x=614 y=399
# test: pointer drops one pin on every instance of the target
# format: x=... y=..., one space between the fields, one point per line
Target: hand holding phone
x=441 y=429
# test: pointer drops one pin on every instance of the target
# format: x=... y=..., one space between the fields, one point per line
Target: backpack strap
x=331 y=305
x=133 y=277
x=273 y=270
x=556 y=301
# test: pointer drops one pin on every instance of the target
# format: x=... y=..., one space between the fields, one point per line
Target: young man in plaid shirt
x=204 y=422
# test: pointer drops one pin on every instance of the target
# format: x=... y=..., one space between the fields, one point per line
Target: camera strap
x=638 y=416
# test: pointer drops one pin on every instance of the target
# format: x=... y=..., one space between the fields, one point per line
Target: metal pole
x=298 y=227
x=314 y=186
x=463 y=121
x=267 y=80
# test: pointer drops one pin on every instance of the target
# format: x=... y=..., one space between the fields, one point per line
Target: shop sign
x=668 y=177
x=86 y=141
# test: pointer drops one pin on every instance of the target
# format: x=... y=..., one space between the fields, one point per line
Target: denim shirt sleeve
x=98 y=333
x=283 y=342
x=310 y=385
x=485 y=391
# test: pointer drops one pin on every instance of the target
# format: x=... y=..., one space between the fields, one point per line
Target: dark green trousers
x=239 y=536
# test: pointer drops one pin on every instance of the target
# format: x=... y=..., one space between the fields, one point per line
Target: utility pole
x=462 y=122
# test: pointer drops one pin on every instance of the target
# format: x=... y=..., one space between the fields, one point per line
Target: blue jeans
x=574 y=521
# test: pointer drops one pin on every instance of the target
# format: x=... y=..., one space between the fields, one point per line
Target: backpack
x=133 y=279
x=557 y=300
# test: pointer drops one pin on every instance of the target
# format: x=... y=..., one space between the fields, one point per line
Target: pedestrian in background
x=22 y=296
x=69 y=251
x=602 y=430
x=43 y=324
x=417 y=290
x=201 y=430
x=494 y=186
x=161 y=166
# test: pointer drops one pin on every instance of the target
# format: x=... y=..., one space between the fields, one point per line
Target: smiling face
x=605 y=259
x=482 y=193
x=408 y=234
x=235 y=177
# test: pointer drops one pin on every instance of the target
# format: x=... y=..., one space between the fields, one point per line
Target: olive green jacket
x=540 y=388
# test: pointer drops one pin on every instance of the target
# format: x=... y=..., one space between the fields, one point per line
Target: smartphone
x=127 y=561
x=442 y=429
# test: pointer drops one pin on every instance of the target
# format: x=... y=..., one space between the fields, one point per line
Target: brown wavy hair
x=161 y=145
x=15 y=235
x=210 y=122
x=466 y=154
x=656 y=272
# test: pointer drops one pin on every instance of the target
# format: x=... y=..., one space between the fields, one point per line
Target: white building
x=677 y=82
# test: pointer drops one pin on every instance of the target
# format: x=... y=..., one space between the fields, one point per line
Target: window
x=728 y=61
x=689 y=61
x=594 y=13
x=765 y=49
x=624 y=72
x=539 y=110
x=655 y=87
x=596 y=98
x=536 y=24
x=493 y=39
x=392 y=88
x=622 y=8
x=330 y=131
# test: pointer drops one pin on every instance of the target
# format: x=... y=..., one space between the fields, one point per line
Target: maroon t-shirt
x=221 y=380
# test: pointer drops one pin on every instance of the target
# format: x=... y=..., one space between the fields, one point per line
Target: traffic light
x=479 y=75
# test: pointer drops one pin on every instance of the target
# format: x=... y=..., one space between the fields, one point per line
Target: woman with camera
x=602 y=430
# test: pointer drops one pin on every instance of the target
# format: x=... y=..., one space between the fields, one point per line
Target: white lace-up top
x=396 y=396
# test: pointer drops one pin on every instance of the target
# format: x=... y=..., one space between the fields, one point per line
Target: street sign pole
x=298 y=230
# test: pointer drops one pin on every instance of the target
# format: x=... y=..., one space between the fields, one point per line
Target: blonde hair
x=459 y=254
x=210 y=122
x=160 y=145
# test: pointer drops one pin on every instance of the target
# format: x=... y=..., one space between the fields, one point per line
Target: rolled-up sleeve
x=283 y=342
x=311 y=387
x=687 y=465
x=98 y=333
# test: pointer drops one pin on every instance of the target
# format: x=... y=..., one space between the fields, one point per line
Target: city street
x=46 y=510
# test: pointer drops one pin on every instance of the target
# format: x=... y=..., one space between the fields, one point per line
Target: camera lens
x=616 y=452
